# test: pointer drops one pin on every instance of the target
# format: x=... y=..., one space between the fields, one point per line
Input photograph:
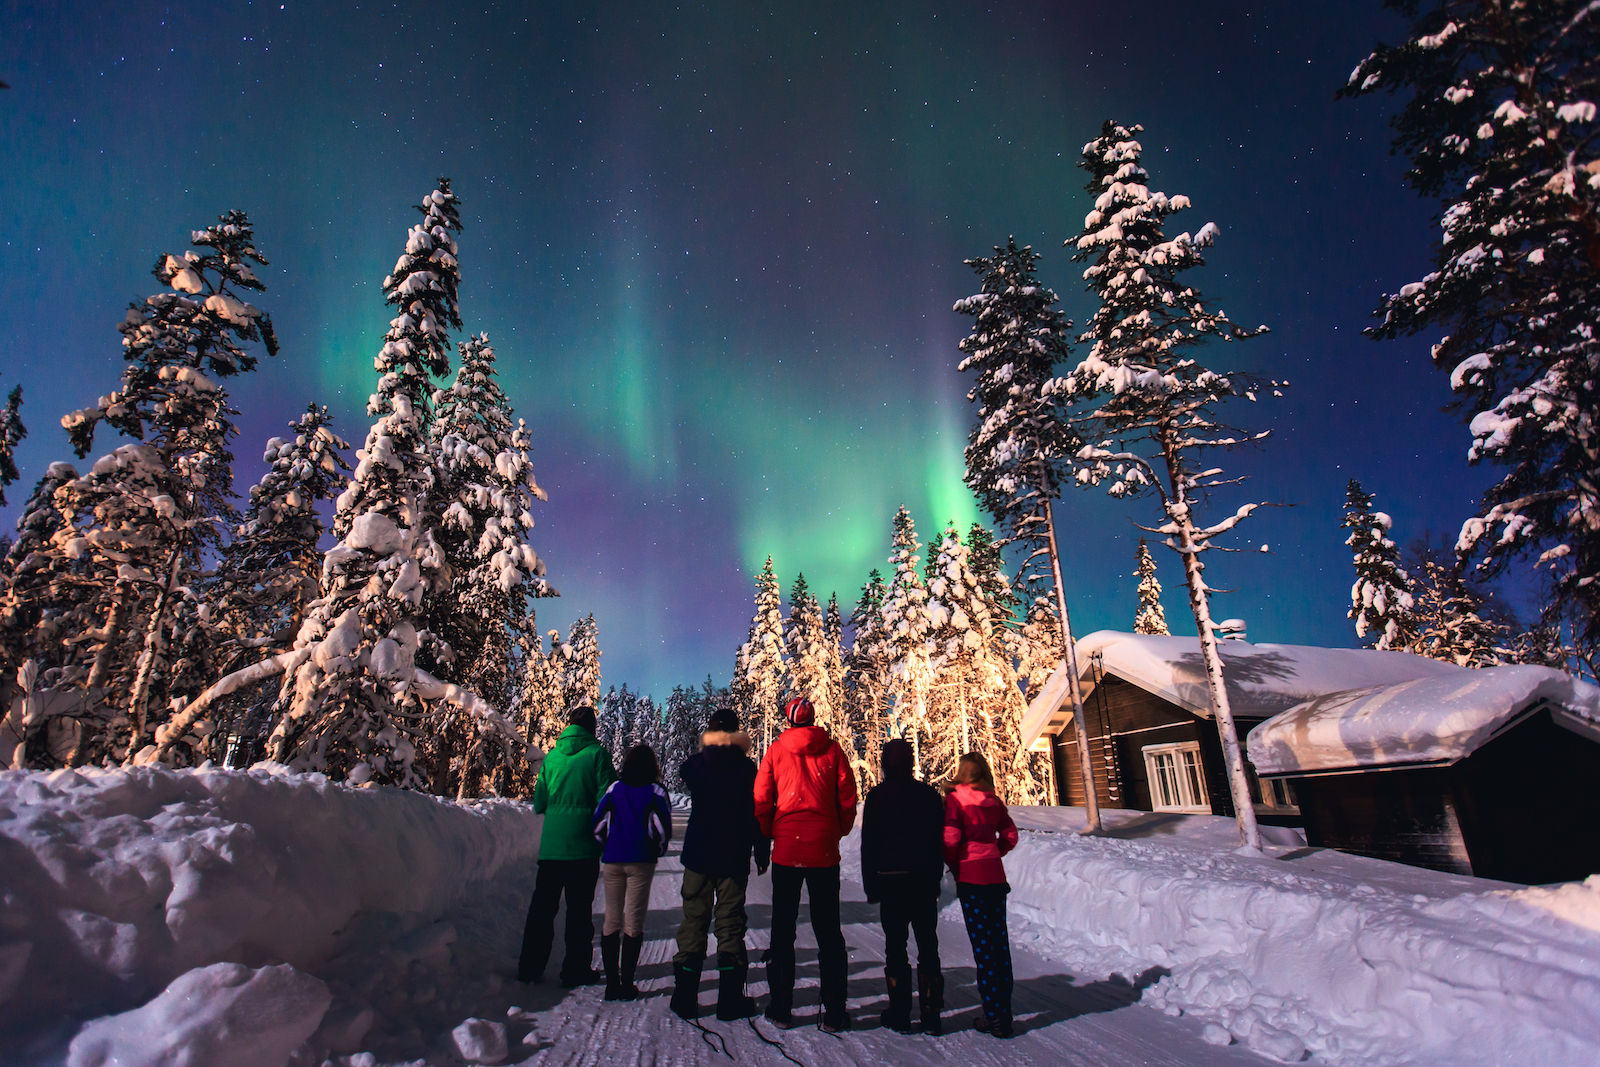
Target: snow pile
x=117 y=882
x=225 y=1013
x=1424 y=720
x=1348 y=959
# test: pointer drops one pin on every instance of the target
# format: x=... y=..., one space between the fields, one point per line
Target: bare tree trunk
x=140 y=695
x=1232 y=757
x=1070 y=652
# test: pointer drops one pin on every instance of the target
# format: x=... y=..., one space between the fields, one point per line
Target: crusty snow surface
x=154 y=917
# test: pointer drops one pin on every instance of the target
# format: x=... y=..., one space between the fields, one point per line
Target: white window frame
x=1177 y=777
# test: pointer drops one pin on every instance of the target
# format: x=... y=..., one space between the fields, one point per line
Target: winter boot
x=732 y=1003
x=930 y=997
x=898 y=1017
x=686 y=986
x=610 y=947
x=780 y=987
x=631 y=944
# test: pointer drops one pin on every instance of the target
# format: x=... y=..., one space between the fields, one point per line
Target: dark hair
x=639 y=766
x=725 y=720
x=974 y=770
x=897 y=758
x=582 y=715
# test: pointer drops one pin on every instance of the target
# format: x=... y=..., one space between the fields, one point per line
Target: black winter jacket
x=902 y=832
x=722 y=831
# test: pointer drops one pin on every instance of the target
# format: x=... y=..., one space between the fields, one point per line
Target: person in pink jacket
x=977 y=832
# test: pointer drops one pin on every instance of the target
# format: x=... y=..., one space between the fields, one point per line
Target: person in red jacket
x=977 y=832
x=805 y=802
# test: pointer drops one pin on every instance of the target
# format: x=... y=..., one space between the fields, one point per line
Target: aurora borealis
x=715 y=248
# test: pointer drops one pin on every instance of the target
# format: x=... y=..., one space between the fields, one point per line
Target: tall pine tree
x=766 y=665
x=1500 y=127
x=907 y=627
x=867 y=680
x=1145 y=400
x=11 y=434
x=1022 y=442
x=806 y=642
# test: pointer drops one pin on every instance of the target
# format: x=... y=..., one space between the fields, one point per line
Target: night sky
x=716 y=247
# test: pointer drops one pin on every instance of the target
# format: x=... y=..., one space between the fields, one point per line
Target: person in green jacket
x=575 y=773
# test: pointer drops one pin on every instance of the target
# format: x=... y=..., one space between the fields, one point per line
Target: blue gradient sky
x=716 y=249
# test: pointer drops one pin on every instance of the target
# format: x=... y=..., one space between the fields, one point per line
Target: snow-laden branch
x=180 y=724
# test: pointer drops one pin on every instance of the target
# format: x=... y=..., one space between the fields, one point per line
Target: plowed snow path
x=1062 y=1021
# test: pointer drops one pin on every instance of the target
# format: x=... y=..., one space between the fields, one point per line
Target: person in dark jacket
x=574 y=774
x=717 y=848
x=902 y=864
x=806 y=802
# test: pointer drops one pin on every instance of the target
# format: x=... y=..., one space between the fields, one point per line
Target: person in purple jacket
x=633 y=823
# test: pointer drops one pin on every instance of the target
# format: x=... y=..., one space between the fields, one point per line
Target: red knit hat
x=799 y=712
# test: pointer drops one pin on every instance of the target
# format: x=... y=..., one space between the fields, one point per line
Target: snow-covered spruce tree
x=1450 y=617
x=484 y=496
x=1501 y=127
x=613 y=721
x=540 y=708
x=766 y=668
x=867 y=682
x=130 y=537
x=580 y=666
x=1380 y=600
x=353 y=700
x=1143 y=397
x=833 y=667
x=269 y=572
x=907 y=633
x=741 y=696
x=976 y=701
x=1151 y=618
x=1021 y=443
x=806 y=642
x=11 y=434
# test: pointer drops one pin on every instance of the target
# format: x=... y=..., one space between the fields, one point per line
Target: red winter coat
x=977 y=832
x=805 y=797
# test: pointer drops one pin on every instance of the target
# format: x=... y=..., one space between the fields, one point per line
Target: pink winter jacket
x=977 y=832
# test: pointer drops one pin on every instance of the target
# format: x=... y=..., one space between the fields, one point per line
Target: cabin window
x=1278 y=795
x=1177 y=780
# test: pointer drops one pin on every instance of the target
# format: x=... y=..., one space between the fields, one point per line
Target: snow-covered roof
x=1425 y=720
x=1262 y=679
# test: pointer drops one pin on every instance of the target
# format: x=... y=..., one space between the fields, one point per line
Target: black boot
x=686 y=986
x=631 y=944
x=610 y=946
x=898 y=1017
x=930 y=997
x=780 y=986
x=732 y=971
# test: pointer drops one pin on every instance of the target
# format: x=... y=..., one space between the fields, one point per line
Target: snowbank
x=1419 y=721
x=1350 y=959
x=117 y=882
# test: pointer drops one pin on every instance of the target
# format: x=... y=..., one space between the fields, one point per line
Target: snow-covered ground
x=160 y=917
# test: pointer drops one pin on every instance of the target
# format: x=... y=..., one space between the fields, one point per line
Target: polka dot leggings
x=984 y=908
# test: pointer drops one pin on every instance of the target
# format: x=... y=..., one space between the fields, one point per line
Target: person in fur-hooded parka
x=722 y=837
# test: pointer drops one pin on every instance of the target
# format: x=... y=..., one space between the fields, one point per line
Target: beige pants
x=627 y=896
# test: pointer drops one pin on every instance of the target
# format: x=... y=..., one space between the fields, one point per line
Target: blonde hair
x=974 y=770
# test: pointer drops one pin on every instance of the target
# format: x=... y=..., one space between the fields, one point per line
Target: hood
x=574 y=739
x=725 y=737
x=972 y=796
x=808 y=740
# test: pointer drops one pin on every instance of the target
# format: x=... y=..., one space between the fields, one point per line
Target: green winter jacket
x=574 y=774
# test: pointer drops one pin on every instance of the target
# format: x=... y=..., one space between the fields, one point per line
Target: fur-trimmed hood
x=726 y=737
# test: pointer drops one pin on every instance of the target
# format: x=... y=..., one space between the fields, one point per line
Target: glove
x=761 y=868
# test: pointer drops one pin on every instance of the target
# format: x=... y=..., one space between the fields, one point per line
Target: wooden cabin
x=1487 y=772
x=1153 y=743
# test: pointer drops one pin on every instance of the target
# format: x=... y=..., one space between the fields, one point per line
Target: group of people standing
x=790 y=813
